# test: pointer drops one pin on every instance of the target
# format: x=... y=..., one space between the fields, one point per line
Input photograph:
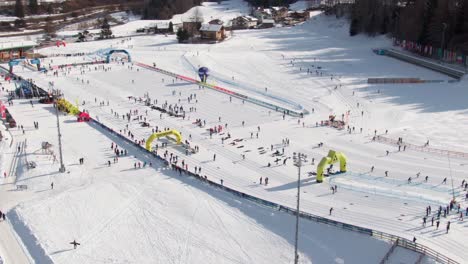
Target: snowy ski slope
x=123 y=215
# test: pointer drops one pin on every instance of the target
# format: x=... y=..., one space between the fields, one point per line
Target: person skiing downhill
x=75 y=244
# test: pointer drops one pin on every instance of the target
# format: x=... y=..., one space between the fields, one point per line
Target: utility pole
x=451 y=177
x=298 y=158
x=62 y=166
x=442 y=44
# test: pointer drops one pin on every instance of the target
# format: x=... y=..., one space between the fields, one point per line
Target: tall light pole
x=442 y=44
x=62 y=166
x=451 y=178
x=298 y=158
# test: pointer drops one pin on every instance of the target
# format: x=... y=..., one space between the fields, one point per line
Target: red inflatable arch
x=60 y=42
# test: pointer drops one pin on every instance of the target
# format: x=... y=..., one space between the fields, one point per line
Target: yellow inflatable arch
x=166 y=133
x=332 y=158
x=68 y=107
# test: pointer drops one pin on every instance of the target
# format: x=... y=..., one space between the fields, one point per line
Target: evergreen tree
x=462 y=18
x=106 y=32
x=19 y=9
x=33 y=6
x=50 y=9
x=429 y=6
x=439 y=26
x=171 y=27
x=49 y=28
x=182 y=35
x=428 y=22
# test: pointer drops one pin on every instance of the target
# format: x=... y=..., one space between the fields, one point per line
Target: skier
x=261 y=180
x=372 y=169
x=437 y=224
x=266 y=181
x=331 y=210
x=52 y=186
x=74 y=243
x=214 y=157
x=448 y=226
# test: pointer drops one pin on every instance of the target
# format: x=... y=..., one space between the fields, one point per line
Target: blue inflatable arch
x=15 y=62
x=109 y=54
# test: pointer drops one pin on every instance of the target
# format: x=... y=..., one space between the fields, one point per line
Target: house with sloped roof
x=216 y=22
x=244 y=22
x=262 y=13
x=279 y=13
x=267 y=23
x=14 y=50
x=212 y=32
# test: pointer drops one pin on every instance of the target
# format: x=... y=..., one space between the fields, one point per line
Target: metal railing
x=416 y=247
x=450 y=71
x=399 y=241
x=453 y=154
x=226 y=91
x=389 y=252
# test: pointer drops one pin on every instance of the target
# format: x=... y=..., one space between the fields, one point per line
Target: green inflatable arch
x=154 y=136
x=332 y=158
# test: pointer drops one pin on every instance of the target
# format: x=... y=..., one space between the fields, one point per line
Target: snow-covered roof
x=17 y=44
x=278 y=8
x=248 y=18
x=251 y=18
x=160 y=25
x=210 y=27
x=268 y=21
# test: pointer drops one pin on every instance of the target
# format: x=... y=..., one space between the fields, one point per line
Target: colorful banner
x=2 y=109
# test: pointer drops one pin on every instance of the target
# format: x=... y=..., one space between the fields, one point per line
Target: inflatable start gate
x=59 y=43
x=109 y=54
x=64 y=105
x=15 y=62
x=332 y=158
x=167 y=133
